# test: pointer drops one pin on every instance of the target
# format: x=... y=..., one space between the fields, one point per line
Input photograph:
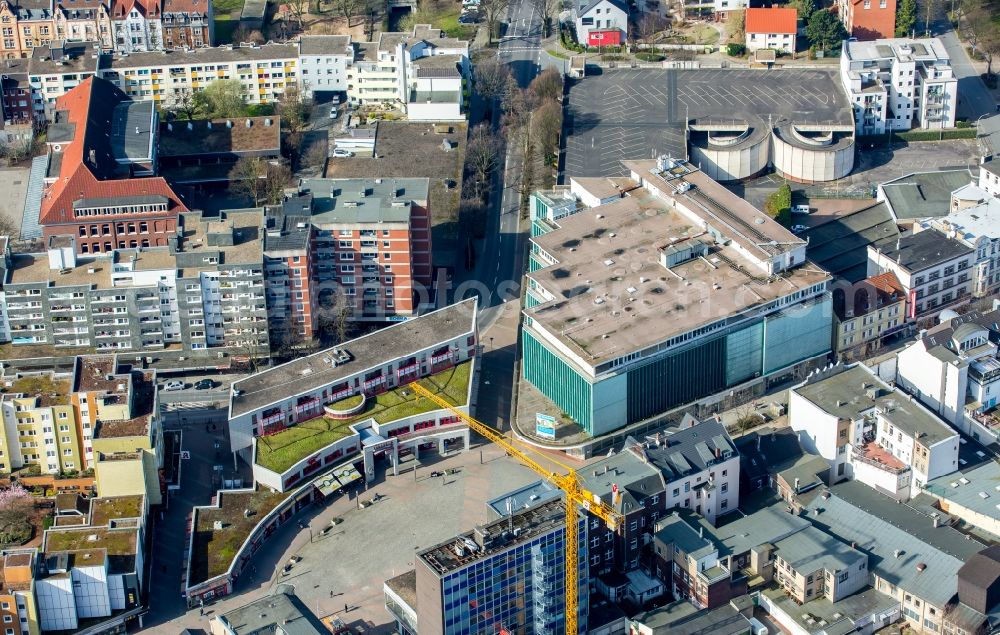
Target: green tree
x=804 y=8
x=779 y=205
x=221 y=98
x=906 y=17
x=825 y=30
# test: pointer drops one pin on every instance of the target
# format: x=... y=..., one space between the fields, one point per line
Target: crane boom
x=569 y=483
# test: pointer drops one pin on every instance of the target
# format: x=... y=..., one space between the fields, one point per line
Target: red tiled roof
x=775 y=20
x=147 y=8
x=76 y=179
x=887 y=283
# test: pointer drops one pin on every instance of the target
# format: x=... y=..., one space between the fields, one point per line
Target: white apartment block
x=974 y=221
x=136 y=31
x=989 y=176
x=954 y=371
x=422 y=73
x=899 y=84
x=871 y=432
x=168 y=76
x=934 y=270
x=323 y=63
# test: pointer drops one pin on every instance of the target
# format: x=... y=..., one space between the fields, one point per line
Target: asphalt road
x=974 y=100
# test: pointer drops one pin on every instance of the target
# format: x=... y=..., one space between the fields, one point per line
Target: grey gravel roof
x=305 y=374
x=674 y=529
x=324 y=45
x=841 y=245
x=811 y=549
x=923 y=250
x=342 y=200
x=218 y=54
x=682 y=618
x=984 y=479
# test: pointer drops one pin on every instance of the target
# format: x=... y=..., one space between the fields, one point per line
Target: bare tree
x=293 y=109
x=180 y=103
x=259 y=180
x=649 y=26
x=348 y=9
x=736 y=26
x=333 y=317
x=298 y=9
x=315 y=157
x=548 y=9
x=546 y=122
x=9 y=228
x=493 y=11
x=243 y=34
x=493 y=78
x=548 y=85
x=482 y=155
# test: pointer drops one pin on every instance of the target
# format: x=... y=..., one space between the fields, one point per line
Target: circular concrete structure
x=812 y=154
x=729 y=152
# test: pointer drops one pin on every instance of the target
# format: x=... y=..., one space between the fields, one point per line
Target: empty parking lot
x=639 y=113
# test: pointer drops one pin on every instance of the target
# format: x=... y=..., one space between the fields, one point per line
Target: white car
x=801 y=209
x=334 y=113
x=173 y=385
x=342 y=154
x=798 y=229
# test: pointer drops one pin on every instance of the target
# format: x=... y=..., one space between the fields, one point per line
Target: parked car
x=468 y=18
x=173 y=385
x=334 y=113
x=801 y=209
x=798 y=229
x=204 y=384
x=342 y=153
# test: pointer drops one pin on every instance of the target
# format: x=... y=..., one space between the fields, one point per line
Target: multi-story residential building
x=974 y=221
x=620 y=300
x=506 y=575
x=871 y=432
x=205 y=290
x=83 y=21
x=119 y=419
x=868 y=19
x=15 y=93
x=100 y=141
x=989 y=176
x=953 y=369
x=137 y=25
x=422 y=72
x=771 y=28
x=876 y=311
x=168 y=77
x=935 y=271
x=899 y=84
x=187 y=24
x=40 y=426
x=34 y=25
x=297 y=391
x=91 y=571
x=323 y=63
x=18 y=606
x=57 y=68
x=360 y=243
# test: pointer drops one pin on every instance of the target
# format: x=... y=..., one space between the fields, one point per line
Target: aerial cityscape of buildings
x=499 y=317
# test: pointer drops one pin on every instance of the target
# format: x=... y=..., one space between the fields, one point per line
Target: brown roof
x=983 y=569
x=218 y=136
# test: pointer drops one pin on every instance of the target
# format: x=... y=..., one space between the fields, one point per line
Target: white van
x=756 y=628
x=801 y=209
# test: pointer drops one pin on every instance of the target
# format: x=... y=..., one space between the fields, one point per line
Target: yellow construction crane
x=569 y=483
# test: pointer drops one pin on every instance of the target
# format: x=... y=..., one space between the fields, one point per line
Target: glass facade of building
x=521 y=589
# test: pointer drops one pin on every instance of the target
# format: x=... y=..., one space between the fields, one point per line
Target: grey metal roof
x=841 y=392
x=524 y=497
x=841 y=245
x=768 y=525
x=674 y=529
x=324 y=45
x=880 y=527
x=30 y=228
x=975 y=489
x=283 y=610
x=683 y=618
x=764 y=450
x=634 y=475
x=924 y=194
x=305 y=374
x=923 y=250
x=939 y=340
x=132 y=130
x=213 y=55
x=811 y=549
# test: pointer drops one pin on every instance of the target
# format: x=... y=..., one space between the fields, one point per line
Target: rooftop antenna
x=509 y=503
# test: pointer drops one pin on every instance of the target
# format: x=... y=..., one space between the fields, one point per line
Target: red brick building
x=99 y=185
x=363 y=243
x=15 y=92
x=868 y=19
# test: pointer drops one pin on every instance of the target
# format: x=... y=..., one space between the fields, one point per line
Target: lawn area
x=705 y=34
x=347 y=403
x=442 y=15
x=214 y=550
x=280 y=451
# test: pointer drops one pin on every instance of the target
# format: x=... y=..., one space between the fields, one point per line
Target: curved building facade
x=814 y=154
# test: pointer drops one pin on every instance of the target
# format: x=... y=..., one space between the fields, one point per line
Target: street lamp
x=979 y=134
